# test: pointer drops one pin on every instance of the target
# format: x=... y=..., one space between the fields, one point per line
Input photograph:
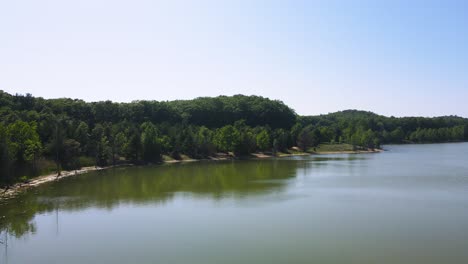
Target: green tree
x=5 y=158
x=69 y=154
x=204 y=141
x=119 y=144
x=81 y=135
x=316 y=137
x=398 y=135
x=294 y=134
x=103 y=151
x=246 y=143
x=226 y=138
x=56 y=146
x=305 y=139
x=368 y=139
x=101 y=147
x=281 y=137
x=132 y=148
x=263 y=140
x=326 y=134
x=151 y=145
x=24 y=143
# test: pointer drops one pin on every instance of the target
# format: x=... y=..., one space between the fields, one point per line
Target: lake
x=408 y=204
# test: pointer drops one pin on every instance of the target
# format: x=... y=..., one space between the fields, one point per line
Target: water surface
x=406 y=205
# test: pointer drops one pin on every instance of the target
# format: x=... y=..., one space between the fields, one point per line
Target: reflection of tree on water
x=160 y=184
x=143 y=185
x=16 y=215
x=4 y=243
x=21 y=222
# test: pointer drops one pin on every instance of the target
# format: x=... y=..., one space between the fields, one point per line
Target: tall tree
x=263 y=140
x=227 y=138
x=58 y=136
x=305 y=139
x=5 y=159
x=24 y=143
x=150 y=142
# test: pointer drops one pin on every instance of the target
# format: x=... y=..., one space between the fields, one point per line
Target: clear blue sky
x=392 y=57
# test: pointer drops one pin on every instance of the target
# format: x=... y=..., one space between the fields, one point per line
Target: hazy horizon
x=393 y=59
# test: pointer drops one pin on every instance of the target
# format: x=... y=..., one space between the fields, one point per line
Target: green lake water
x=408 y=204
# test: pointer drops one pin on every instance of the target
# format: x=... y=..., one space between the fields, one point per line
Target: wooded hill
x=41 y=135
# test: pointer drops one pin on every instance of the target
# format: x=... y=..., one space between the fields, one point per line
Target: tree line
x=40 y=135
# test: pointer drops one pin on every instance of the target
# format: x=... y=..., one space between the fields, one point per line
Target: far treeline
x=44 y=135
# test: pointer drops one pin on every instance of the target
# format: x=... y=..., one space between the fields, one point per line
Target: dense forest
x=43 y=135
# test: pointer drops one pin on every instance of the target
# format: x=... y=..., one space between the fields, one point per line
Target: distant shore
x=19 y=187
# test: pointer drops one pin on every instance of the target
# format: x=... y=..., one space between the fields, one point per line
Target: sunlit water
x=406 y=205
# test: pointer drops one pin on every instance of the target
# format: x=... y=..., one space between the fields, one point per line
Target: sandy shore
x=22 y=186
x=348 y=152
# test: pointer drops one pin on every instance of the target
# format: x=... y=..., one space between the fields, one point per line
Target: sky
x=400 y=58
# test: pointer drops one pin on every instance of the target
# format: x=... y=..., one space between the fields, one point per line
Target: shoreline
x=20 y=187
x=348 y=152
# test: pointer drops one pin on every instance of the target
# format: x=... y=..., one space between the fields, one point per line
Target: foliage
x=151 y=145
x=305 y=139
x=74 y=133
x=227 y=138
x=263 y=140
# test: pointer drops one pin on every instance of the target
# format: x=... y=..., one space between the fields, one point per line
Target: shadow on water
x=153 y=185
